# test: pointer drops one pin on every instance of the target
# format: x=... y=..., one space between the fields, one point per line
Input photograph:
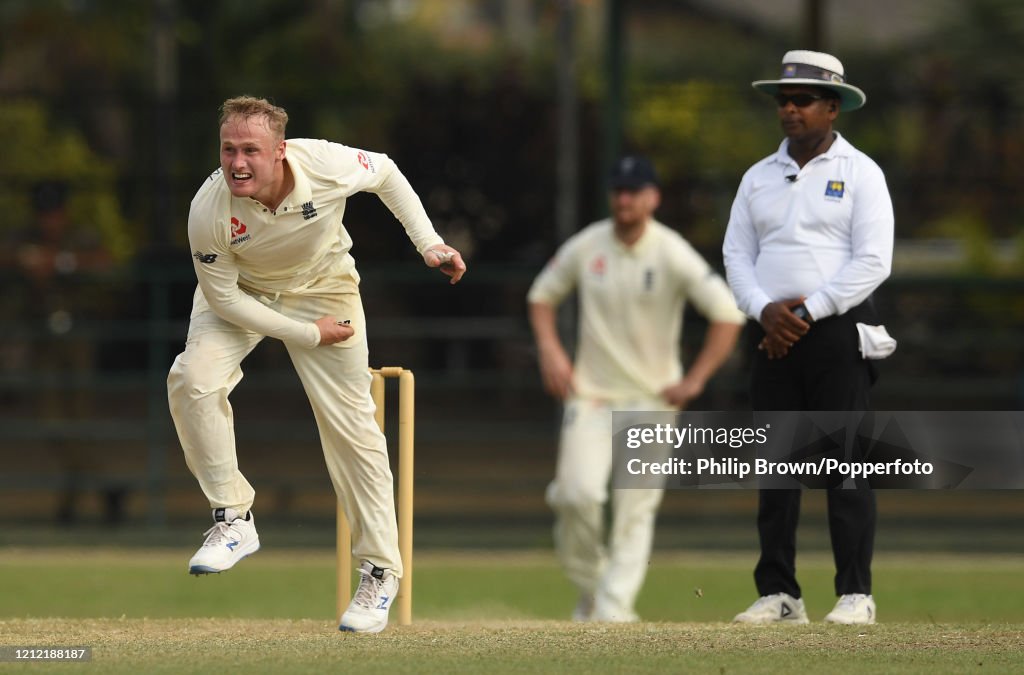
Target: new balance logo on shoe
x=368 y=611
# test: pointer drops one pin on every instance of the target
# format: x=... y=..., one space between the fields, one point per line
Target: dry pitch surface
x=307 y=646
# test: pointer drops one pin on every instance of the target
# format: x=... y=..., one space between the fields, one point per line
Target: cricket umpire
x=810 y=237
x=271 y=255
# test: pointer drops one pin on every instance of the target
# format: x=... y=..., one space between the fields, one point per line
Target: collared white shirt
x=824 y=232
x=631 y=306
x=243 y=249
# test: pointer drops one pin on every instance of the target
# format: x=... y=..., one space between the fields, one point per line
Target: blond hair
x=250 y=106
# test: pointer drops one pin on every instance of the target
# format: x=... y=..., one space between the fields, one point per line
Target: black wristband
x=800 y=312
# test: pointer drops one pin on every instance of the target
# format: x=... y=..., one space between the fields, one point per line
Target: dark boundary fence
x=100 y=424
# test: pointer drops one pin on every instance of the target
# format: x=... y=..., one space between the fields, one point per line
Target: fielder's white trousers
x=337 y=382
x=612 y=572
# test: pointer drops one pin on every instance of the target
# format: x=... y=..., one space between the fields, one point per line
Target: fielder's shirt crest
x=308 y=211
x=835 y=188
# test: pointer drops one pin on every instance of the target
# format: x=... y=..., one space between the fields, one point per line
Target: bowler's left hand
x=448 y=259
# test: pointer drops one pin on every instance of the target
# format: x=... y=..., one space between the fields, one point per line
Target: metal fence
x=83 y=412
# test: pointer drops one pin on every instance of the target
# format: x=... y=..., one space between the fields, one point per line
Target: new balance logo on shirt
x=205 y=258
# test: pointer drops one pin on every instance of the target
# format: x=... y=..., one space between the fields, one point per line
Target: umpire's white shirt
x=243 y=251
x=824 y=231
x=631 y=306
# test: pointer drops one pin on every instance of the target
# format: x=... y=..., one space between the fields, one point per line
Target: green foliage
x=983 y=256
x=36 y=149
x=984 y=40
x=943 y=117
x=698 y=128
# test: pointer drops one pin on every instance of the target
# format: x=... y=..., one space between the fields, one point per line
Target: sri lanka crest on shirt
x=835 y=189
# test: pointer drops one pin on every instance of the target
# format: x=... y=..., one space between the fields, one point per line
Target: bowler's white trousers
x=614 y=572
x=337 y=382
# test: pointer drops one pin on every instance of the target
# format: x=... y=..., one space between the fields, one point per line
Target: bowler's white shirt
x=826 y=235
x=631 y=306
x=243 y=251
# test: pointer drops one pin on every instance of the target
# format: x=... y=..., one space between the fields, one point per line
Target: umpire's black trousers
x=822 y=371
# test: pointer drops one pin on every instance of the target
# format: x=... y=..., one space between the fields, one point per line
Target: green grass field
x=501 y=613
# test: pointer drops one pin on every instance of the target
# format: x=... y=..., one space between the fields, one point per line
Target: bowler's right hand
x=332 y=331
x=448 y=259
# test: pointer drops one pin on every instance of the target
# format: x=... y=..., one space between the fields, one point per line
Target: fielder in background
x=809 y=239
x=272 y=258
x=633 y=276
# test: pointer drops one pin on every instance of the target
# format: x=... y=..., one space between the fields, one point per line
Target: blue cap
x=632 y=172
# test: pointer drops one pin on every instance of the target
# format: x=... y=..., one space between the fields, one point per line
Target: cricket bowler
x=271 y=255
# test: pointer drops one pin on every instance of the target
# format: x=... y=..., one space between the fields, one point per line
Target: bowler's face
x=249 y=156
x=808 y=122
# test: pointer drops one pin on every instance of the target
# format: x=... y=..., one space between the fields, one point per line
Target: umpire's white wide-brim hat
x=816 y=69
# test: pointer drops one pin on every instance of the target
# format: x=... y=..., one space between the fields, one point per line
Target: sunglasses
x=801 y=100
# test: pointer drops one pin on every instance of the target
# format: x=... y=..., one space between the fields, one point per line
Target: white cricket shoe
x=775 y=608
x=231 y=538
x=853 y=608
x=614 y=616
x=368 y=611
x=609 y=611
